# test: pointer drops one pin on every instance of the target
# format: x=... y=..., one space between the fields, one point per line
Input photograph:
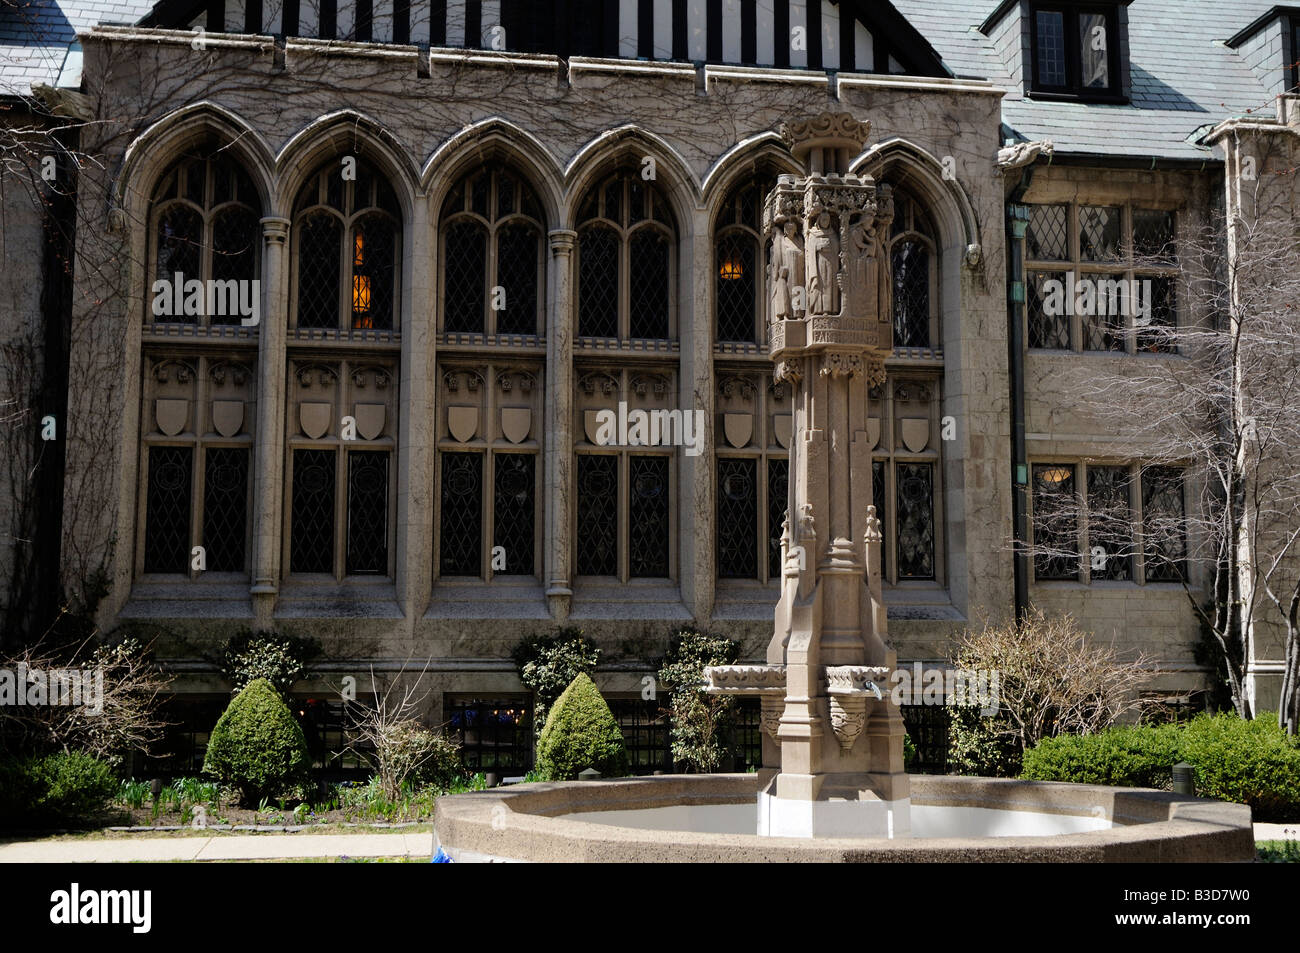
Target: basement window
x=1076 y=52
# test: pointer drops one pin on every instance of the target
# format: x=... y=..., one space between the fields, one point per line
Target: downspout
x=1017 y=223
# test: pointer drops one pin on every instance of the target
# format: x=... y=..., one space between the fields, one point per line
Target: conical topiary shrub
x=257 y=746
x=581 y=733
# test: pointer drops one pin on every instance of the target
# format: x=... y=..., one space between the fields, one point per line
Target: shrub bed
x=580 y=733
x=257 y=746
x=62 y=789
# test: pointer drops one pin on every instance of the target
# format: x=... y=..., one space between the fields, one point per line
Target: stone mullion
x=417 y=416
x=697 y=505
x=558 y=416
x=269 y=440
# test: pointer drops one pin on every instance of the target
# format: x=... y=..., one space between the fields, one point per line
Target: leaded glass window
x=1047 y=237
x=912 y=269
x=738 y=519
x=1056 y=544
x=492 y=227
x=597 y=536
x=879 y=494
x=167 y=515
x=206 y=227
x=1110 y=520
x=225 y=508
x=1049 y=324
x=1163 y=524
x=915 y=516
x=1104 y=327
x=460 y=541
x=494 y=734
x=778 y=501
x=625 y=227
x=311 y=546
x=1153 y=235
x=513 y=511
x=648 y=516
x=367 y=512
x=1156 y=332
x=346 y=238
x=736 y=254
x=1099 y=233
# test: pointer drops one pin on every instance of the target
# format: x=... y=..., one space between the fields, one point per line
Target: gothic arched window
x=492 y=228
x=347 y=236
x=626 y=238
x=914 y=269
x=204 y=227
x=737 y=258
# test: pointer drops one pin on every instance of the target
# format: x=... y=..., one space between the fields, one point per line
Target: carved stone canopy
x=826 y=143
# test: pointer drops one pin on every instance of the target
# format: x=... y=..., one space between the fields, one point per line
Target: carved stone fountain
x=833 y=739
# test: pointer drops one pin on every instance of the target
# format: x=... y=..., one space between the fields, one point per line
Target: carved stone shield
x=873 y=431
x=590 y=425
x=738 y=428
x=916 y=434
x=516 y=423
x=171 y=414
x=228 y=416
x=783 y=423
x=314 y=417
x=370 y=420
x=463 y=422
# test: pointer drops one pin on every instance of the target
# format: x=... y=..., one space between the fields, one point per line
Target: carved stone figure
x=824 y=266
x=862 y=269
x=787 y=268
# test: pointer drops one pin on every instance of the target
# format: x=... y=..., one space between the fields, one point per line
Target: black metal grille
x=778 y=480
x=645 y=734
x=517 y=251
x=648 y=257
x=513 y=517
x=465 y=277
x=1109 y=523
x=374 y=272
x=1157 y=333
x=927 y=726
x=461 y=540
x=311 y=540
x=737 y=294
x=737 y=519
x=234 y=255
x=1049 y=325
x=597 y=515
x=1056 y=546
x=1099 y=233
x=879 y=494
x=1105 y=328
x=320 y=236
x=747 y=734
x=1047 y=237
x=598 y=282
x=167 y=519
x=368 y=512
x=648 y=516
x=911 y=268
x=915 y=520
x=225 y=508
x=1163 y=524
x=495 y=734
x=1153 y=235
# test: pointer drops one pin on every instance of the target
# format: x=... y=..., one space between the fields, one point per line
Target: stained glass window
x=513 y=514
x=367 y=512
x=311 y=546
x=1056 y=544
x=597 y=515
x=167 y=514
x=1163 y=524
x=460 y=541
x=737 y=519
x=225 y=508
x=915 y=517
x=1110 y=540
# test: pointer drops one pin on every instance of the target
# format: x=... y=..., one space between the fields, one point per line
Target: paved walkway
x=219 y=847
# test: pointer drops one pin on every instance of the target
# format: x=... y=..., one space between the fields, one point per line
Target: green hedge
x=256 y=745
x=581 y=733
x=1250 y=762
x=63 y=789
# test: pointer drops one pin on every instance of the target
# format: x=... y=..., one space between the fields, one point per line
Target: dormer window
x=1076 y=51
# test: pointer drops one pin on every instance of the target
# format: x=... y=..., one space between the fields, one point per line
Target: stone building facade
x=467 y=230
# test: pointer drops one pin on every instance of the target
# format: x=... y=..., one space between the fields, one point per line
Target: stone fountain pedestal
x=833 y=738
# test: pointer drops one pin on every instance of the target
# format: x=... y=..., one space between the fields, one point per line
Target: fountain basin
x=703 y=819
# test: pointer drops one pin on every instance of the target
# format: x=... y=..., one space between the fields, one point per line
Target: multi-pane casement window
x=196 y=452
x=1101 y=278
x=346 y=248
x=1108 y=522
x=341 y=483
x=489 y=472
x=626 y=254
x=906 y=478
x=491 y=253
x=1076 y=51
x=753 y=471
x=203 y=227
x=737 y=254
x=914 y=271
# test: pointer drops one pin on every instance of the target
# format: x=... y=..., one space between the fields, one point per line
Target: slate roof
x=1184 y=78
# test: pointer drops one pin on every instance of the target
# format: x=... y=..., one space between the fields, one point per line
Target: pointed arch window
x=346 y=245
x=626 y=253
x=492 y=228
x=737 y=281
x=204 y=228
x=913 y=267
